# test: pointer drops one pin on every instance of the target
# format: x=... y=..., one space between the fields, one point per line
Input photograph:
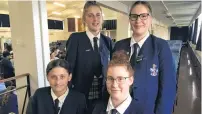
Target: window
x=55 y=24
x=4 y=20
x=199 y=27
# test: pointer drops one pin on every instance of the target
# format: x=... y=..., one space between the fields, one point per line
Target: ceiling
x=74 y=9
x=71 y=9
x=173 y=13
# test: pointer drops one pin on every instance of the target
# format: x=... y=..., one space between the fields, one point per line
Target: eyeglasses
x=143 y=16
x=119 y=80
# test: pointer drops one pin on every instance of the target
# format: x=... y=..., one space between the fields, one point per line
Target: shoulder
x=106 y=37
x=41 y=91
x=100 y=107
x=131 y=109
x=122 y=43
x=77 y=94
x=159 y=41
x=126 y=40
x=76 y=35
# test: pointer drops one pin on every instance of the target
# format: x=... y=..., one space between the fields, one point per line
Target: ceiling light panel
x=56 y=13
x=59 y=4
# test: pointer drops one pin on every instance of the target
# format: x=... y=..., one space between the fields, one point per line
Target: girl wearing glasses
x=154 y=87
x=119 y=80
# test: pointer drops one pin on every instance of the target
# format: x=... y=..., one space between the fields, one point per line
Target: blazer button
x=136 y=99
x=135 y=87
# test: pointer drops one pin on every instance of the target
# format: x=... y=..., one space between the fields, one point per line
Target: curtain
x=198 y=45
x=195 y=32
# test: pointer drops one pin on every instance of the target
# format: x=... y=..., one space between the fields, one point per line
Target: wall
x=160 y=30
x=54 y=35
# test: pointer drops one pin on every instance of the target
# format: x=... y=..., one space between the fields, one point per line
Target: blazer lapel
x=49 y=102
x=127 y=47
x=104 y=55
x=66 y=107
x=87 y=42
x=147 y=49
x=104 y=52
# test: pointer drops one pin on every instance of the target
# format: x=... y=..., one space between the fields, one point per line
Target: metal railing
x=28 y=91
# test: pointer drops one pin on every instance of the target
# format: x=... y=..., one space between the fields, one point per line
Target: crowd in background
x=57 y=50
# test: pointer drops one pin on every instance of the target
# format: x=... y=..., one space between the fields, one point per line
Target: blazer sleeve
x=111 y=48
x=167 y=82
x=115 y=47
x=82 y=106
x=71 y=47
x=31 y=106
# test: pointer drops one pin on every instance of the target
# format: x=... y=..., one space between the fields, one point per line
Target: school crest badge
x=154 y=70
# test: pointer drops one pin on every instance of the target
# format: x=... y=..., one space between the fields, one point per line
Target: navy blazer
x=8 y=103
x=79 y=55
x=100 y=108
x=154 y=87
x=42 y=103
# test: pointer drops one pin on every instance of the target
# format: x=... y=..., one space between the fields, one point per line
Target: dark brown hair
x=120 y=58
x=58 y=63
x=87 y=5
x=145 y=3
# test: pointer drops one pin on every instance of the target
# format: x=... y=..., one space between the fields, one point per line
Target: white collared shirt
x=121 y=108
x=140 y=43
x=61 y=98
x=91 y=36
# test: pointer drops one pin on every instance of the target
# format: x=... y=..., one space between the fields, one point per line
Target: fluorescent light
x=103 y=14
x=56 y=13
x=59 y=4
x=188 y=62
x=190 y=71
x=76 y=16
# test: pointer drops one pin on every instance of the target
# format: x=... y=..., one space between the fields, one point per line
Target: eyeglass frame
x=139 y=16
x=115 y=79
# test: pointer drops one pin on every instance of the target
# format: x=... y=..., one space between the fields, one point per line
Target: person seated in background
x=2 y=86
x=54 y=53
x=58 y=98
x=8 y=101
x=61 y=55
x=7 y=69
x=119 y=80
x=11 y=58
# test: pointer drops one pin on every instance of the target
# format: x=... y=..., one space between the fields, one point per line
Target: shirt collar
x=141 y=42
x=122 y=107
x=91 y=36
x=61 y=98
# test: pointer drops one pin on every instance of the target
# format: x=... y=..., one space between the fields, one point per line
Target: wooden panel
x=80 y=25
x=71 y=25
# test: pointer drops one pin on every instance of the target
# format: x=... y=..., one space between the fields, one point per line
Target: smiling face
x=58 y=78
x=140 y=26
x=93 y=18
x=119 y=88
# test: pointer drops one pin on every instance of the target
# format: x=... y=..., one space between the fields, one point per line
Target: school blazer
x=154 y=87
x=42 y=103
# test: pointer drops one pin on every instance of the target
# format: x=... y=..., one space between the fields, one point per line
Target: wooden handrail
x=14 y=78
x=8 y=91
